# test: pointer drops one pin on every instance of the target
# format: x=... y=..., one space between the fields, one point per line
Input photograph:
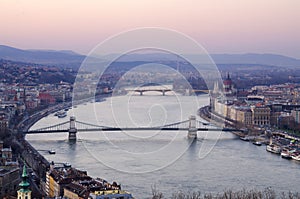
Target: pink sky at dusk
x=221 y=26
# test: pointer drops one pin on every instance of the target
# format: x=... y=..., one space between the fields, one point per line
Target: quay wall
x=218 y=120
x=27 y=152
x=205 y=113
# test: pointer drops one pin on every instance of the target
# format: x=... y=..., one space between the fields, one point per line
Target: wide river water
x=215 y=162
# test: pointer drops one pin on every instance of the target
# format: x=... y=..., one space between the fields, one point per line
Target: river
x=215 y=162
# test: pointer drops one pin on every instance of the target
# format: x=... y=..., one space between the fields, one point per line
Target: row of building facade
x=18 y=101
x=261 y=106
x=67 y=182
x=9 y=171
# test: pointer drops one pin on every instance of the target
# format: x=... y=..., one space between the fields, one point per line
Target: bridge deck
x=188 y=125
x=133 y=129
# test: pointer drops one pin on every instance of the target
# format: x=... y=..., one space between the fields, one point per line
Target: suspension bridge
x=73 y=126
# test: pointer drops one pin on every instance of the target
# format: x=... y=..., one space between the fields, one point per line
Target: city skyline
x=221 y=27
x=125 y=99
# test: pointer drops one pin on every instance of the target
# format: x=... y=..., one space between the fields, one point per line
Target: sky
x=220 y=26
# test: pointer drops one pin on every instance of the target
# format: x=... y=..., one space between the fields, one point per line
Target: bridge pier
x=72 y=129
x=163 y=92
x=141 y=93
x=192 y=132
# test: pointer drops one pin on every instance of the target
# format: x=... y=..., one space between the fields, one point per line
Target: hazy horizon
x=222 y=27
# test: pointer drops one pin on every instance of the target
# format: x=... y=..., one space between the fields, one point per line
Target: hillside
x=47 y=57
x=66 y=58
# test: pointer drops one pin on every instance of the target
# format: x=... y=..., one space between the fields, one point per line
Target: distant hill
x=220 y=59
x=66 y=58
x=254 y=58
x=46 y=57
x=32 y=74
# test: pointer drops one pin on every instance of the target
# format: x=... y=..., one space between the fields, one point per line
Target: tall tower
x=227 y=85
x=216 y=88
x=24 y=192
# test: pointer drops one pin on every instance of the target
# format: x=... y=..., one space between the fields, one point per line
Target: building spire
x=24 y=174
x=24 y=191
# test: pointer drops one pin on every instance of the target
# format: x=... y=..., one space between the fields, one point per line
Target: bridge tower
x=192 y=132
x=72 y=129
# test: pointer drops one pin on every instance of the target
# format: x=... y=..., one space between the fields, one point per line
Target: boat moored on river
x=296 y=156
x=286 y=155
x=257 y=143
x=245 y=139
x=61 y=114
x=287 y=152
x=273 y=149
x=51 y=152
x=67 y=165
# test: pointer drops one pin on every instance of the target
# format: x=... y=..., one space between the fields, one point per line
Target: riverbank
x=204 y=113
x=216 y=119
x=37 y=163
x=251 y=134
